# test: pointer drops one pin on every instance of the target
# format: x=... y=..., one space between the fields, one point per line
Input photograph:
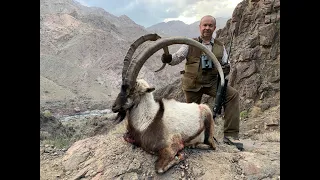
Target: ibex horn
x=135 y=66
x=134 y=46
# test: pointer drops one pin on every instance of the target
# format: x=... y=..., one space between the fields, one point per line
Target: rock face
x=255 y=51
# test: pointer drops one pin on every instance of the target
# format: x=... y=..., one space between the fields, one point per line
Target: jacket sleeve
x=180 y=55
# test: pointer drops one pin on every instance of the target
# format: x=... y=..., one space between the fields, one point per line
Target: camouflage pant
x=231 y=111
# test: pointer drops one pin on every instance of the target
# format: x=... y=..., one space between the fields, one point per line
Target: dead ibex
x=164 y=127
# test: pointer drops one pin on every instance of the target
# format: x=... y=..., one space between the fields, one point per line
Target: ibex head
x=119 y=106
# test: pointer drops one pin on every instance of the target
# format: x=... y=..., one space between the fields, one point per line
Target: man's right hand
x=166 y=58
x=226 y=69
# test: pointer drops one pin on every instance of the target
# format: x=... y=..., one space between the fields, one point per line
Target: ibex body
x=163 y=127
x=166 y=126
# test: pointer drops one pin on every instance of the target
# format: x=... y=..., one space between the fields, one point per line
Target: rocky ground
x=98 y=151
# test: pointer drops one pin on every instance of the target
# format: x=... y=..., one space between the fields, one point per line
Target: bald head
x=207 y=26
x=208 y=17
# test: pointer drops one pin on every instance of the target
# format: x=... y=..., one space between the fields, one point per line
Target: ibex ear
x=150 y=89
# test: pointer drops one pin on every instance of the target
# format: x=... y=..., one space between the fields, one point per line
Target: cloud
x=150 y=12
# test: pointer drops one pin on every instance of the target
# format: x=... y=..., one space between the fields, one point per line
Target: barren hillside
x=81 y=55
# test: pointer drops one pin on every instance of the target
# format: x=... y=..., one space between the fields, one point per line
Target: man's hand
x=226 y=69
x=166 y=58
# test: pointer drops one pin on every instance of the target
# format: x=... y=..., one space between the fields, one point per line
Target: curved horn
x=134 y=46
x=135 y=66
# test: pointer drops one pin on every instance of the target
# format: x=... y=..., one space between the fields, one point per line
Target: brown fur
x=209 y=132
x=209 y=129
x=152 y=139
x=167 y=155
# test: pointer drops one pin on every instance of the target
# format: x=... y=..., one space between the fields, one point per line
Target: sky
x=150 y=12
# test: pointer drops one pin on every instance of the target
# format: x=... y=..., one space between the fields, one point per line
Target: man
x=200 y=77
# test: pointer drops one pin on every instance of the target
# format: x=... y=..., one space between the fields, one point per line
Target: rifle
x=221 y=91
x=220 y=97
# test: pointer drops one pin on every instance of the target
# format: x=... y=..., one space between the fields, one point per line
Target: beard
x=207 y=33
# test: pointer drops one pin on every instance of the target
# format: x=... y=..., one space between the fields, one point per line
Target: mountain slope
x=82 y=50
x=179 y=28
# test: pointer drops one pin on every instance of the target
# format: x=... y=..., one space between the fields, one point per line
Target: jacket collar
x=211 y=41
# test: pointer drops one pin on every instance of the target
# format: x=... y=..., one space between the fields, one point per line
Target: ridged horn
x=137 y=64
x=134 y=46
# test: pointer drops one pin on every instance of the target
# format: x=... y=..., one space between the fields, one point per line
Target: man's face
x=207 y=27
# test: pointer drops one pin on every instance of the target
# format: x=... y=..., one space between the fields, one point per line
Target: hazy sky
x=150 y=12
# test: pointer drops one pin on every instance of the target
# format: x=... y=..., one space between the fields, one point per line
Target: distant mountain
x=179 y=28
x=82 y=51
